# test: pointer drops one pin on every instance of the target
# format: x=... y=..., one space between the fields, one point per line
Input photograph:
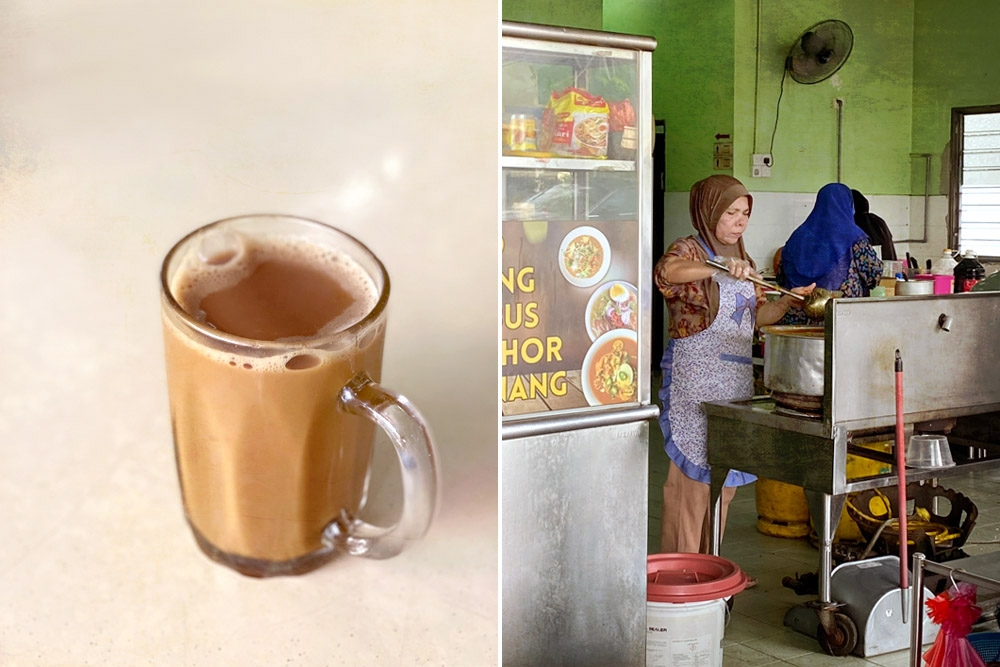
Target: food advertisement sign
x=570 y=312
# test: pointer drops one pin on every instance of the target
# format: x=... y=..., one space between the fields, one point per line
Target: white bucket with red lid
x=686 y=607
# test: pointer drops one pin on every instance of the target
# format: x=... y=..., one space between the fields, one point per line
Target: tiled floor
x=756 y=634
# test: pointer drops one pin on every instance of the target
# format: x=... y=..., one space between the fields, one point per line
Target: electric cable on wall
x=777 y=110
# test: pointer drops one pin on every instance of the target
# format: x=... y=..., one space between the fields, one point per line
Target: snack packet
x=575 y=124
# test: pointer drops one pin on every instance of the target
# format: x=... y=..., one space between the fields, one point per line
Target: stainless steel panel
x=945 y=373
x=750 y=436
x=792 y=457
x=545 y=424
x=577 y=36
x=574 y=513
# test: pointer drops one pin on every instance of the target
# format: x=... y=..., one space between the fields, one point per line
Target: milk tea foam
x=266 y=458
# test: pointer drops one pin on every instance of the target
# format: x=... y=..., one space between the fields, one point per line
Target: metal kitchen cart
x=949 y=351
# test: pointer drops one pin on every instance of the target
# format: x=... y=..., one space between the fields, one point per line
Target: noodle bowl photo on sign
x=592 y=136
x=584 y=256
x=613 y=305
x=610 y=370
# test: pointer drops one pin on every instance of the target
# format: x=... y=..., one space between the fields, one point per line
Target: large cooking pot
x=794 y=359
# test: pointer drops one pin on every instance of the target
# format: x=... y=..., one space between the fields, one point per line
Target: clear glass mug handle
x=411 y=439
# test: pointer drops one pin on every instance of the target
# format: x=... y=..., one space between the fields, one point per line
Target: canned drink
x=522 y=132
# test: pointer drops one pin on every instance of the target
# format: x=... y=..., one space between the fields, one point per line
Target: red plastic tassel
x=955 y=611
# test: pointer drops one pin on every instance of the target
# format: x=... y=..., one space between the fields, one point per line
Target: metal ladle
x=813 y=304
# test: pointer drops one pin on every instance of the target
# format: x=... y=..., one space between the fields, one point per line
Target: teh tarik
x=265 y=457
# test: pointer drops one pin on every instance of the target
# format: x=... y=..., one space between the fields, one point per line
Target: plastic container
x=987 y=645
x=916 y=286
x=929 y=451
x=686 y=607
x=892 y=267
x=522 y=133
x=943 y=270
x=520 y=129
x=968 y=272
x=685 y=634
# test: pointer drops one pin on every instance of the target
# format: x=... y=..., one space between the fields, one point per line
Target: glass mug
x=273 y=332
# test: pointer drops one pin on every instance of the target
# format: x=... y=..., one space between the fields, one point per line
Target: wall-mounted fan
x=820 y=51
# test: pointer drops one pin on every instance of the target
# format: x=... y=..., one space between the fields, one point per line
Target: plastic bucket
x=689 y=633
x=944 y=284
x=686 y=608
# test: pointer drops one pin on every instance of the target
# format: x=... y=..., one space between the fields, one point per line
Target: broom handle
x=904 y=572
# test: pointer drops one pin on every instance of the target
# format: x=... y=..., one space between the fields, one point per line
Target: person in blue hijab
x=829 y=249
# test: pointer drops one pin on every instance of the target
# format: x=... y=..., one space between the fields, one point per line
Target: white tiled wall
x=777 y=214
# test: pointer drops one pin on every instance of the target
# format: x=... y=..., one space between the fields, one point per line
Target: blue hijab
x=819 y=250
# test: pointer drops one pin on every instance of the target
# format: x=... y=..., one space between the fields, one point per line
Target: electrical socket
x=760 y=165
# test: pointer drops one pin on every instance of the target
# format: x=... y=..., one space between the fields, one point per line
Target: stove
x=792 y=412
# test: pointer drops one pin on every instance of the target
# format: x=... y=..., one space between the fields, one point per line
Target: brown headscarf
x=710 y=198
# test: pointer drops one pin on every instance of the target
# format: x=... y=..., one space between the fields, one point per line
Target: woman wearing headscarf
x=873 y=225
x=708 y=357
x=830 y=250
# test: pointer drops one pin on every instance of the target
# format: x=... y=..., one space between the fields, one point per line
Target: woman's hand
x=772 y=311
x=804 y=291
x=738 y=268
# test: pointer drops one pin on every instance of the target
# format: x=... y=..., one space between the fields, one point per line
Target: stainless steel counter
x=949 y=372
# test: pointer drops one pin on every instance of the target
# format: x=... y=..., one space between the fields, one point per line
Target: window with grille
x=975 y=192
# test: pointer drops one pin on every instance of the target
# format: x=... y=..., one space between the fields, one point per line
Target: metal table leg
x=715 y=497
x=916 y=609
x=826 y=509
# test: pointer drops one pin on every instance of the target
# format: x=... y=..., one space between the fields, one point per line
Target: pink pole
x=904 y=572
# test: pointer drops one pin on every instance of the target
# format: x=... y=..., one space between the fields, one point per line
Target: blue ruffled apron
x=711 y=365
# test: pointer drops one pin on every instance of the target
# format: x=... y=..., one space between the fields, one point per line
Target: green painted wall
x=956 y=56
x=875 y=84
x=693 y=75
x=913 y=60
x=710 y=78
x=569 y=13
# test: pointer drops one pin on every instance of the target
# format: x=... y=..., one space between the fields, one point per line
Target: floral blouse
x=687 y=303
x=862 y=276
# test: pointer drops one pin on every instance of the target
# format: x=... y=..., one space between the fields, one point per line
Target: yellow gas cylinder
x=781 y=509
x=858 y=466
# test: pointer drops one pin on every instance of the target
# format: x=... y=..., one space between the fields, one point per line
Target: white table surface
x=125 y=124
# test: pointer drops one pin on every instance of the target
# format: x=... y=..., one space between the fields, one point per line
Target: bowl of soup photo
x=592 y=136
x=610 y=372
x=584 y=256
x=613 y=305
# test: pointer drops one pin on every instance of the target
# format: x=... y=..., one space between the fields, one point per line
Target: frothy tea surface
x=274 y=290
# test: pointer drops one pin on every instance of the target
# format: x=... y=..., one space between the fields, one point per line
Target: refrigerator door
x=575 y=508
